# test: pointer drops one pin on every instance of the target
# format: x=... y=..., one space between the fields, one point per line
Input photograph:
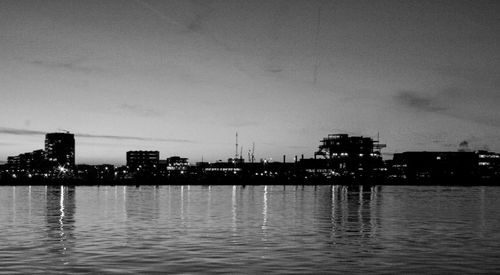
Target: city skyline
x=182 y=77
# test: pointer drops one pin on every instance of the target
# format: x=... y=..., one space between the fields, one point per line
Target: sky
x=182 y=77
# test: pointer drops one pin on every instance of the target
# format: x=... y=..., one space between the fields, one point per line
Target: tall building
x=60 y=149
x=143 y=159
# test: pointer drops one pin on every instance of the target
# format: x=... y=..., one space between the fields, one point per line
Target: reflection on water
x=60 y=214
x=271 y=229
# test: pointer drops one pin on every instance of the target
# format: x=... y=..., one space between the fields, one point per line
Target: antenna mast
x=236 y=152
x=253 y=151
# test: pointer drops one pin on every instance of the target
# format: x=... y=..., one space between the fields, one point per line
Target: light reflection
x=14 y=204
x=482 y=211
x=264 y=210
x=124 y=204
x=373 y=204
x=106 y=189
x=60 y=211
x=353 y=210
x=61 y=215
x=360 y=207
x=188 y=199
x=233 y=208
x=334 y=203
x=182 y=203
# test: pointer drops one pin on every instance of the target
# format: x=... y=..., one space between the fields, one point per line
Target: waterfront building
x=27 y=164
x=36 y=161
x=174 y=161
x=13 y=163
x=488 y=164
x=86 y=172
x=434 y=165
x=60 y=150
x=105 y=171
x=176 y=164
x=141 y=160
x=346 y=155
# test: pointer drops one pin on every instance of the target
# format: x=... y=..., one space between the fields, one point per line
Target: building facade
x=434 y=165
x=143 y=159
x=60 y=150
x=350 y=155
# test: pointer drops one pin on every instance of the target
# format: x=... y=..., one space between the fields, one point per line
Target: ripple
x=253 y=229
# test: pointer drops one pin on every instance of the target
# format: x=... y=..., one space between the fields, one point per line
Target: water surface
x=252 y=229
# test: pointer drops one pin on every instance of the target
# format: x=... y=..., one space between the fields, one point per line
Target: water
x=252 y=229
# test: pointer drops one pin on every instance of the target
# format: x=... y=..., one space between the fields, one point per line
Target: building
x=28 y=163
x=143 y=159
x=488 y=165
x=14 y=163
x=36 y=161
x=60 y=150
x=434 y=165
x=346 y=155
x=177 y=161
x=105 y=171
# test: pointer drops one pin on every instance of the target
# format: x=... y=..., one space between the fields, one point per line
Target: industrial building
x=346 y=155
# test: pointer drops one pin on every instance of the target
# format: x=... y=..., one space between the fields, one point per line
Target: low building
x=27 y=164
x=434 y=165
x=105 y=171
x=143 y=160
x=488 y=164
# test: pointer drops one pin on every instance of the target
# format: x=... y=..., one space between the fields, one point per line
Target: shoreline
x=249 y=181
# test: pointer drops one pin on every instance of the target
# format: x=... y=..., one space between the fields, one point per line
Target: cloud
x=140 y=110
x=26 y=132
x=468 y=104
x=20 y=132
x=414 y=100
x=131 y=138
x=73 y=65
x=274 y=69
x=473 y=104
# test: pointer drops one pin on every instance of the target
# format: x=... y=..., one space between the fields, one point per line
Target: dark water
x=253 y=229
